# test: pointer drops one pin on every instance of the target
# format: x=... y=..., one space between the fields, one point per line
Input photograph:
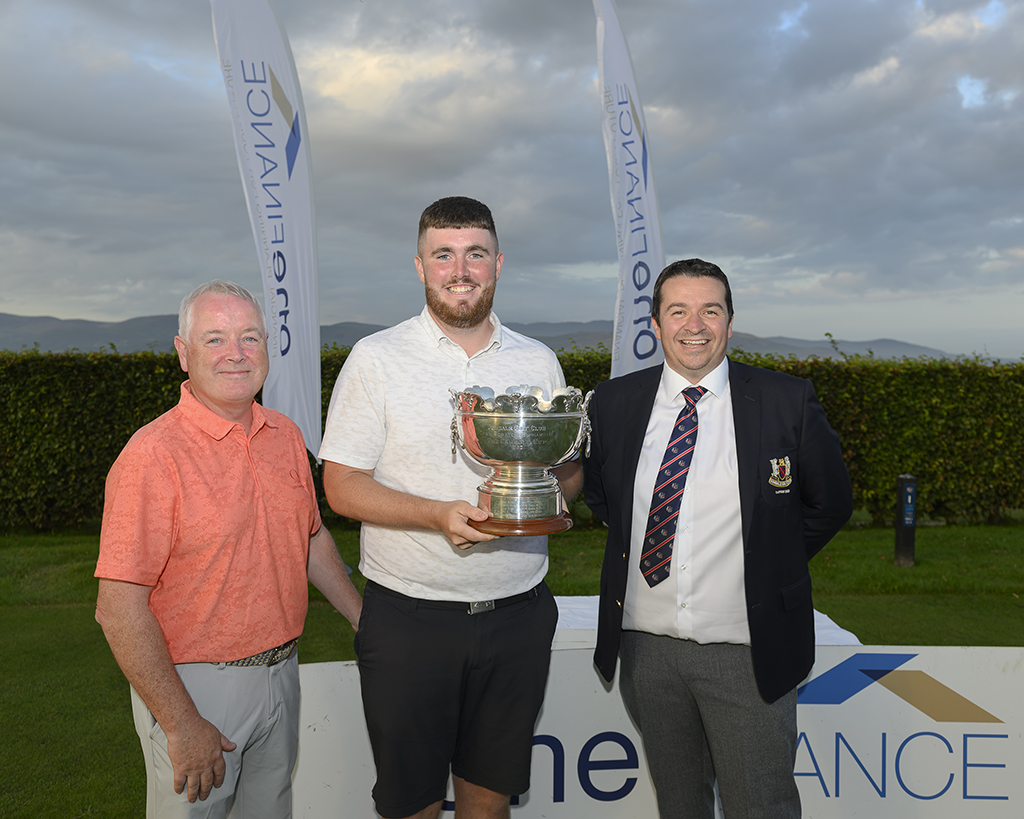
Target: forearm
x=355 y=493
x=194 y=745
x=358 y=495
x=327 y=571
x=138 y=645
x=570 y=479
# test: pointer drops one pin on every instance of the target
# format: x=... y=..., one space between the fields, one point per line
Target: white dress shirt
x=703 y=599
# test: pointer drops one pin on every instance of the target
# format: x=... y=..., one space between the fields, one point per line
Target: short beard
x=463 y=316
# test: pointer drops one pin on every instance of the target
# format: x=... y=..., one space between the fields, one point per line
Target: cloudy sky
x=856 y=166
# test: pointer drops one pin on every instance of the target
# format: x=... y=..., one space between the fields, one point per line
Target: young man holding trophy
x=455 y=636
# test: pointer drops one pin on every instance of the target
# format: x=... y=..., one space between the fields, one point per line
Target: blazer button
x=619 y=602
x=623 y=555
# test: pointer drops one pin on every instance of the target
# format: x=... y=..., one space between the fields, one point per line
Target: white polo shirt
x=391 y=412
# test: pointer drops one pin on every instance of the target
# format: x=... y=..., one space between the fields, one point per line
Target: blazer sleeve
x=593 y=484
x=825 y=490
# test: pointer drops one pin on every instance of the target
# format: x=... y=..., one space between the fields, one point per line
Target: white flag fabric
x=272 y=144
x=634 y=202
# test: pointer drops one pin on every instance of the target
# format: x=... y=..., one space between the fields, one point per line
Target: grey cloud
x=830 y=163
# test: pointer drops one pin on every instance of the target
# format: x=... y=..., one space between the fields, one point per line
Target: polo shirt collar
x=210 y=422
x=438 y=336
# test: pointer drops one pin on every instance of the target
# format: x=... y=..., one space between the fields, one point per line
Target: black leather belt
x=477 y=607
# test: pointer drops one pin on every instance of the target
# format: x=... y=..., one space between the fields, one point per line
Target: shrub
x=953 y=424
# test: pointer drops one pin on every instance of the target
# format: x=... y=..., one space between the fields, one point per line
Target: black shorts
x=443 y=689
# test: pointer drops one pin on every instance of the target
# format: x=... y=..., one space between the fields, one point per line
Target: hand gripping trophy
x=520 y=435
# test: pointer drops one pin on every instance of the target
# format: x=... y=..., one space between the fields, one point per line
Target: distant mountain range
x=156 y=333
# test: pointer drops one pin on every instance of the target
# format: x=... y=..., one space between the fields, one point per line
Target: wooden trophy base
x=523 y=528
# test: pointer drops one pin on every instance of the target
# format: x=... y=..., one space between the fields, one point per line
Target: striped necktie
x=656 y=556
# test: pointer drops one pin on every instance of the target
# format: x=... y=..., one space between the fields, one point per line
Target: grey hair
x=218 y=287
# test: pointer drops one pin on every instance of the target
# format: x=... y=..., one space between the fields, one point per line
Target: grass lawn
x=966 y=587
x=69 y=748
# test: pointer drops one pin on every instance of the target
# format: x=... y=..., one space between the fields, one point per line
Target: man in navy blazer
x=716 y=628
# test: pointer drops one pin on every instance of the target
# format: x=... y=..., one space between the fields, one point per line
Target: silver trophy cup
x=520 y=435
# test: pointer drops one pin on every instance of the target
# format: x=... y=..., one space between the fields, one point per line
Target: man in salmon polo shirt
x=210 y=531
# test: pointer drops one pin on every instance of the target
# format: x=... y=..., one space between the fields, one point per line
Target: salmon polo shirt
x=218 y=523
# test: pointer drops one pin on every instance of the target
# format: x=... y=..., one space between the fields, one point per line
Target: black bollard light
x=906 y=507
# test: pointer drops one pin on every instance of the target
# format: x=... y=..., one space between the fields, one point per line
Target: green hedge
x=954 y=424
x=65 y=418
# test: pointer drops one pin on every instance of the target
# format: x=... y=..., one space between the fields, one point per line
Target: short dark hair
x=457 y=212
x=693 y=269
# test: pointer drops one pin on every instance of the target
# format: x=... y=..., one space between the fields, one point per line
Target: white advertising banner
x=885 y=733
x=272 y=145
x=634 y=201
x=899 y=732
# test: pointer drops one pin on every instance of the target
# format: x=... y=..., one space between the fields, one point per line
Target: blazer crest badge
x=781 y=475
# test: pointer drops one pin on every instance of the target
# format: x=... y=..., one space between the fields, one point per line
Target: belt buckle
x=481 y=606
x=281 y=653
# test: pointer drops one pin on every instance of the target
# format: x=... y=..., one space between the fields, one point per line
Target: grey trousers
x=258 y=709
x=701 y=718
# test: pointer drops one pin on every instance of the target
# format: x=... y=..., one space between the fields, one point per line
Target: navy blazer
x=784 y=524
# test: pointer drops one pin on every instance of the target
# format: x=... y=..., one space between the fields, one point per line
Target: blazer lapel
x=635 y=426
x=746 y=413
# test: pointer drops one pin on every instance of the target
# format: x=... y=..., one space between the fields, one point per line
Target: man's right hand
x=197 y=755
x=453 y=520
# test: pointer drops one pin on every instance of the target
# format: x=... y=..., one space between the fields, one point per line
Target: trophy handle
x=586 y=419
x=583 y=436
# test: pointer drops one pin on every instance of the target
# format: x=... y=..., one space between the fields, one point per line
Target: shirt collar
x=715 y=382
x=213 y=424
x=438 y=336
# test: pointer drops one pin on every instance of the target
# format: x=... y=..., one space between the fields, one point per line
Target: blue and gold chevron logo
x=284 y=105
x=921 y=690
